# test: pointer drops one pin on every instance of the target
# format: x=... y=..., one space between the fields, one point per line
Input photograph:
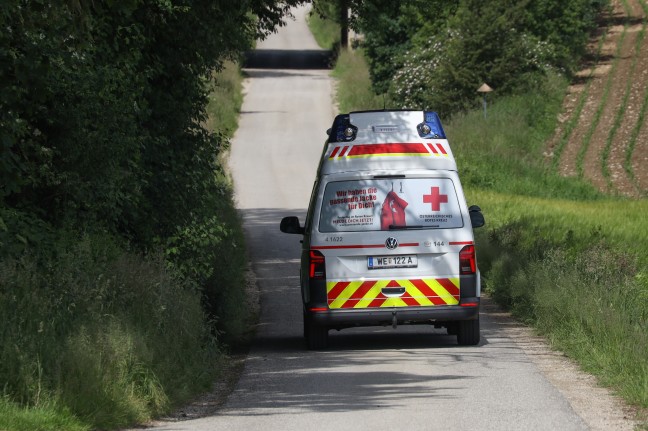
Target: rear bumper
x=402 y=315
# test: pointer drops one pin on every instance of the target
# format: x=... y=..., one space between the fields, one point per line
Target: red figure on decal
x=392 y=212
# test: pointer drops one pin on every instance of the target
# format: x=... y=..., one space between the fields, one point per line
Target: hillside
x=603 y=131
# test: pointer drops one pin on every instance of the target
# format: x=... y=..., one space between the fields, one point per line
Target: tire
x=452 y=328
x=468 y=332
x=316 y=335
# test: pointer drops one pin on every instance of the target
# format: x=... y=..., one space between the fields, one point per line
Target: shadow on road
x=364 y=371
x=288 y=59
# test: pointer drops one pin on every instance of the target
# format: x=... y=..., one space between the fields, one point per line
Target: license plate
x=382 y=262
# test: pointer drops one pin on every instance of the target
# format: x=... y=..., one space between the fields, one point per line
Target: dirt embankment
x=603 y=130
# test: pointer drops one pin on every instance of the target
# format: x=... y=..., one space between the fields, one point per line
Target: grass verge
x=325 y=31
x=46 y=418
x=354 y=91
x=225 y=100
x=563 y=257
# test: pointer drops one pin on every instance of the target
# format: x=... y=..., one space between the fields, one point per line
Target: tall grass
x=104 y=336
x=562 y=256
x=354 y=91
x=225 y=99
x=589 y=297
x=505 y=151
x=44 y=418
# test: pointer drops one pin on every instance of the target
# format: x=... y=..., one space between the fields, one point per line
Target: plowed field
x=603 y=131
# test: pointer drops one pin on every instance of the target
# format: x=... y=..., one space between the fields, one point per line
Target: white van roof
x=387 y=140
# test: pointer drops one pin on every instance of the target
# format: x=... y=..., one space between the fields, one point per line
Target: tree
x=390 y=30
x=102 y=105
x=438 y=62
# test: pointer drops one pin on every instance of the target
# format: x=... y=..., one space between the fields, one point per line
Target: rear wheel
x=468 y=332
x=316 y=335
x=452 y=328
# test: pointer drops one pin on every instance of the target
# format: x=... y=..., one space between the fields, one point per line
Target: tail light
x=467 y=263
x=316 y=265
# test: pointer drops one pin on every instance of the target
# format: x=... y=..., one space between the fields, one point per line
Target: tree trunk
x=344 y=24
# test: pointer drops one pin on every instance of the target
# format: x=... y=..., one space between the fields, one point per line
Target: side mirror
x=291 y=225
x=476 y=216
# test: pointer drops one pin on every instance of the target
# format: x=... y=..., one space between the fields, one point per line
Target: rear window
x=384 y=204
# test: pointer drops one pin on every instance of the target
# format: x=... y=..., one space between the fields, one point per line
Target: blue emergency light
x=342 y=130
x=431 y=127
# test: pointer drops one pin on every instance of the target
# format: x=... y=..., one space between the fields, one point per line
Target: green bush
x=211 y=251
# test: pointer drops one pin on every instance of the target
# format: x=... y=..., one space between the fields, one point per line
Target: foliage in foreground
x=102 y=113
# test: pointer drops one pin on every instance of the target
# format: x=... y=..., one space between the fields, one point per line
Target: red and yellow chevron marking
x=388 y=150
x=369 y=294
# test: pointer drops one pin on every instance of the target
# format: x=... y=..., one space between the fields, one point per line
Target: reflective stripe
x=368 y=294
x=416 y=149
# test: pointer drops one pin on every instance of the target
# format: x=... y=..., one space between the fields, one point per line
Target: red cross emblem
x=435 y=198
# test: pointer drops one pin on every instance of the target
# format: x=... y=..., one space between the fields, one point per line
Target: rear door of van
x=391 y=240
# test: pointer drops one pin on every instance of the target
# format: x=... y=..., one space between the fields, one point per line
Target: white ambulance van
x=388 y=237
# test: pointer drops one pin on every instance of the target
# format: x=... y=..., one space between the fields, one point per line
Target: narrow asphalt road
x=414 y=378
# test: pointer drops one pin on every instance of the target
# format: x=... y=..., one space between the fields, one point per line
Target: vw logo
x=391 y=243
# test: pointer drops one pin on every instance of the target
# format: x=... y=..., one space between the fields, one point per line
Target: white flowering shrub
x=443 y=72
x=414 y=84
